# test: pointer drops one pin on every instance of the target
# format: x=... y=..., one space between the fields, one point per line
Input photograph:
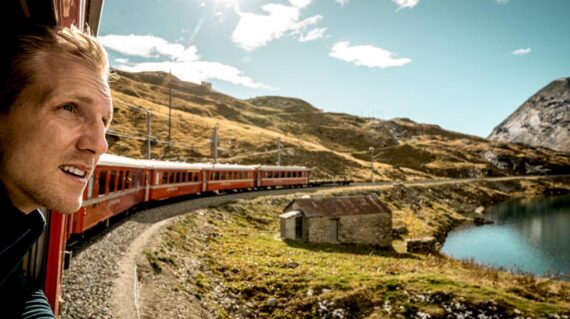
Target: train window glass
x=171 y=178
x=196 y=177
x=178 y=177
x=90 y=187
x=112 y=181
x=102 y=182
x=164 y=177
x=127 y=179
x=120 y=181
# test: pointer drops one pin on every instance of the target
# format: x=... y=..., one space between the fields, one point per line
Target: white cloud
x=300 y=3
x=313 y=35
x=502 y=1
x=342 y=2
x=366 y=55
x=185 y=63
x=141 y=45
x=406 y=3
x=521 y=51
x=255 y=30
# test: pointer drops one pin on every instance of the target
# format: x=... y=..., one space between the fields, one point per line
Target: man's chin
x=68 y=208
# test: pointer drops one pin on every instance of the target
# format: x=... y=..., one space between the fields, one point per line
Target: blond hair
x=18 y=59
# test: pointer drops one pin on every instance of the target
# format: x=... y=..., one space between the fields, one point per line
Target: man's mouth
x=73 y=171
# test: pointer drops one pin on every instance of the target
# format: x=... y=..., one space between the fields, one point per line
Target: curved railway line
x=100 y=282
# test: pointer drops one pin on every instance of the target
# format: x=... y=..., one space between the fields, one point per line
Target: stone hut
x=340 y=220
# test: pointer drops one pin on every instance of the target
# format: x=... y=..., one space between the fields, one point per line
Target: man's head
x=55 y=109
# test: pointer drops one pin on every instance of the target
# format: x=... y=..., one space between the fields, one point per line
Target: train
x=119 y=184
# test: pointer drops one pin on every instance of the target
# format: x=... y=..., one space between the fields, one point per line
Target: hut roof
x=339 y=206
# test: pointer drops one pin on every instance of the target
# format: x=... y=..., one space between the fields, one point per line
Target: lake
x=528 y=235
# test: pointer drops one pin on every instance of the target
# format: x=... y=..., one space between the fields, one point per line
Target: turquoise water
x=528 y=236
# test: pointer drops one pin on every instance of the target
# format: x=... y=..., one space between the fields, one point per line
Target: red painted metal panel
x=54 y=266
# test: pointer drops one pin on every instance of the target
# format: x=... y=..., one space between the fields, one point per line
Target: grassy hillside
x=333 y=144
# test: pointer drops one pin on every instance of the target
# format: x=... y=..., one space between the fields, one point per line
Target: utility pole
x=279 y=151
x=371 y=149
x=169 y=103
x=214 y=144
x=148 y=121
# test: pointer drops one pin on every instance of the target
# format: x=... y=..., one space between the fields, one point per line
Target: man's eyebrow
x=83 y=98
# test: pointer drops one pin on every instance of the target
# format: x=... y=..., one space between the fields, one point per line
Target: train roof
x=282 y=168
x=169 y=165
x=117 y=160
x=227 y=167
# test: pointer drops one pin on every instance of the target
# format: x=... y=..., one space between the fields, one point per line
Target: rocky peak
x=543 y=120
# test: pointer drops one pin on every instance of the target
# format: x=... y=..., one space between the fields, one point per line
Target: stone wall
x=367 y=229
x=288 y=228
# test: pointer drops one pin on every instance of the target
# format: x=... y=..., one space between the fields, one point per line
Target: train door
x=146 y=185
x=204 y=181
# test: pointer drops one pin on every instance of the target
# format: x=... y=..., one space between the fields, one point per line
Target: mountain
x=543 y=120
x=333 y=144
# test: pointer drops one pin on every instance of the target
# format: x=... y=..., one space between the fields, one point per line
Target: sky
x=464 y=65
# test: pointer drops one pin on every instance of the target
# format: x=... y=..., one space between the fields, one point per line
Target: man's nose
x=93 y=138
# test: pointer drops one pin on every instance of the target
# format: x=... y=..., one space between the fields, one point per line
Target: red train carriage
x=219 y=177
x=117 y=184
x=172 y=179
x=272 y=176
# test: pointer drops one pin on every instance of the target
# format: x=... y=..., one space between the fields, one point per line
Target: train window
x=164 y=177
x=171 y=178
x=195 y=176
x=120 y=181
x=178 y=177
x=127 y=179
x=102 y=182
x=112 y=181
x=90 y=187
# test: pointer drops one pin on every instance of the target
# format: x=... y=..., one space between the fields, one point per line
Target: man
x=55 y=107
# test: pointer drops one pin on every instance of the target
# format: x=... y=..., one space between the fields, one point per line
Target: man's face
x=53 y=135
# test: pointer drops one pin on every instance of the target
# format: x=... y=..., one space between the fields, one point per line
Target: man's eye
x=68 y=107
